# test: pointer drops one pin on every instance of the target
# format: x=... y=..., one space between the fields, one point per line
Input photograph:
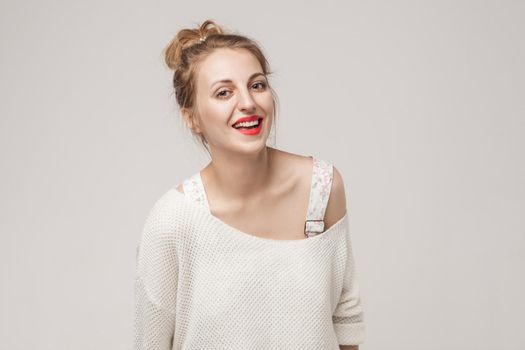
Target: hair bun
x=189 y=37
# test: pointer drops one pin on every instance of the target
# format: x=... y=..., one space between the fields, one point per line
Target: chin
x=251 y=147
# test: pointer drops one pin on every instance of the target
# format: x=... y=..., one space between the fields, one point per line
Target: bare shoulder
x=299 y=168
x=336 y=207
x=179 y=188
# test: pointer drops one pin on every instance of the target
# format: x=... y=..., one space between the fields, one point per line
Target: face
x=230 y=84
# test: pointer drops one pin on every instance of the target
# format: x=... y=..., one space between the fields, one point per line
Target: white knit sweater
x=203 y=284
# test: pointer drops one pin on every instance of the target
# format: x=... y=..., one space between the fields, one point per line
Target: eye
x=261 y=84
x=222 y=93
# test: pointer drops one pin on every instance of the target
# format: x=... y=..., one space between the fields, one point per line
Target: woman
x=253 y=251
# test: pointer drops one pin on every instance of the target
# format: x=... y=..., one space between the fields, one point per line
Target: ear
x=191 y=120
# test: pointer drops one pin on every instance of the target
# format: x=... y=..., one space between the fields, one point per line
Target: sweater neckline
x=341 y=223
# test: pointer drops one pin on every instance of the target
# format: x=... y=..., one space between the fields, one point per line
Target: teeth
x=246 y=124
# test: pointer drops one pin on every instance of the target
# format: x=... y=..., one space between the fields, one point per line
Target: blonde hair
x=190 y=46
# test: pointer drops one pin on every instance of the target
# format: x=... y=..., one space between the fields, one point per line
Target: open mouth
x=248 y=125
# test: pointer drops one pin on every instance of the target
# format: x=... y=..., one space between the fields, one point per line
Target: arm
x=155 y=282
x=348 y=317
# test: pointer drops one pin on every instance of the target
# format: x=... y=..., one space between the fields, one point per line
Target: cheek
x=216 y=112
x=266 y=102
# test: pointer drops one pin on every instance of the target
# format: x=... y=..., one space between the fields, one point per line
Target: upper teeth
x=245 y=124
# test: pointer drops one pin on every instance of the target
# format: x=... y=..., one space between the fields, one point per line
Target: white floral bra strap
x=319 y=193
x=194 y=189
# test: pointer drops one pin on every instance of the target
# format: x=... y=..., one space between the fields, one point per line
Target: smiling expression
x=230 y=85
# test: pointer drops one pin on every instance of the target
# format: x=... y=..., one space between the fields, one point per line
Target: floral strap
x=319 y=193
x=194 y=189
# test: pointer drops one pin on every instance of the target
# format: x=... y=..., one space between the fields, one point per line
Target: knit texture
x=203 y=284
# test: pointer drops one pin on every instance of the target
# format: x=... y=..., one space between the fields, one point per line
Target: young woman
x=253 y=251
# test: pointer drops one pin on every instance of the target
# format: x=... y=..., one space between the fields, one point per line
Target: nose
x=246 y=102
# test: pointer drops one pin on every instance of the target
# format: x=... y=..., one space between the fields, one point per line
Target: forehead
x=234 y=64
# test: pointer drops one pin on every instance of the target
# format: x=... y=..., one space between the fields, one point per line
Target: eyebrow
x=229 y=80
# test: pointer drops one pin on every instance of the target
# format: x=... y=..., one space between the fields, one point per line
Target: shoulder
x=336 y=207
x=164 y=215
x=299 y=168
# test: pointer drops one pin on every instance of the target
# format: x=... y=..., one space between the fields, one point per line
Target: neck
x=238 y=179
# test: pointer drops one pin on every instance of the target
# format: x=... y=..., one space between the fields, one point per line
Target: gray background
x=419 y=104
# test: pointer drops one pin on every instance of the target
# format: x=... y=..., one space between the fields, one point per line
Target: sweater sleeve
x=156 y=280
x=348 y=317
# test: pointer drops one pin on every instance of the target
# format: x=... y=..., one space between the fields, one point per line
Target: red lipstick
x=247 y=119
x=250 y=128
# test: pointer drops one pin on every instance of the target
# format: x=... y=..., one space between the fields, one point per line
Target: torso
x=285 y=202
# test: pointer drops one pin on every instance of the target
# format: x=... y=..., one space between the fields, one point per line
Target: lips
x=247 y=119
